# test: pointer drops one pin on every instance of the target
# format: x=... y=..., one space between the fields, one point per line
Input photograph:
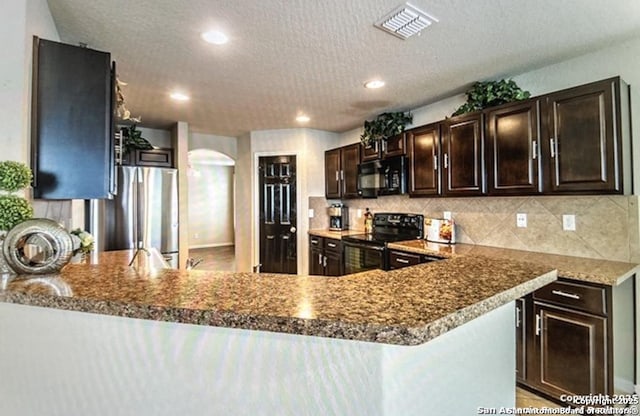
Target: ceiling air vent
x=405 y=21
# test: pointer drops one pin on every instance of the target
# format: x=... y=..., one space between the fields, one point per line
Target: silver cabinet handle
x=534 y=150
x=315 y=242
x=332 y=245
x=552 y=146
x=435 y=162
x=337 y=176
x=403 y=261
x=446 y=161
x=566 y=294
x=538 y=324
x=320 y=259
x=324 y=263
x=518 y=317
x=341 y=175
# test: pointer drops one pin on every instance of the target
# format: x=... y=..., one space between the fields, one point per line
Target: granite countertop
x=405 y=307
x=604 y=272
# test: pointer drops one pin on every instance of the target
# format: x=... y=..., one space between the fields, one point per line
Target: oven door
x=361 y=257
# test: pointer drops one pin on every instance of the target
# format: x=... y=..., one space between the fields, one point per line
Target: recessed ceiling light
x=375 y=83
x=215 y=37
x=302 y=118
x=179 y=96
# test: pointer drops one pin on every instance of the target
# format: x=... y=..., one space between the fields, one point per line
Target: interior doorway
x=211 y=177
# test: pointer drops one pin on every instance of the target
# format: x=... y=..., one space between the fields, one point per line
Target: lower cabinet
x=568 y=335
x=325 y=256
x=399 y=259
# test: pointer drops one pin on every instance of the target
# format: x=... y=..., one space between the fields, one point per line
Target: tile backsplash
x=606 y=226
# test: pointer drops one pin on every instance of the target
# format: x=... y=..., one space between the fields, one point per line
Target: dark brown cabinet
x=325 y=256
x=394 y=146
x=462 y=154
x=568 y=335
x=341 y=171
x=398 y=259
x=423 y=144
x=583 y=141
x=73 y=152
x=512 y=149
x=162 y=158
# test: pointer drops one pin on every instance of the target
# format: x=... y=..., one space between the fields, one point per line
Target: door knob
x=292 y=229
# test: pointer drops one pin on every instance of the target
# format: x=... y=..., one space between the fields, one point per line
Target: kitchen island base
x=74 y=363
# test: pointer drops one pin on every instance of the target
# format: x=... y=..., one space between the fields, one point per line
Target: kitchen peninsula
x=436 y=338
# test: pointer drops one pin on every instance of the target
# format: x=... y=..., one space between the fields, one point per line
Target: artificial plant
x=384 y=126
x=132 y=139
x=491 y=93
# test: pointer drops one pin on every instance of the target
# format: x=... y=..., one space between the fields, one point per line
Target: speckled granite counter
x=578 y=268
x=334 y=234
x=407 y=307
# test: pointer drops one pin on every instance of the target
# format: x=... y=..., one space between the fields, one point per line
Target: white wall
x=223 y=144
x=210 y=205
x=244 y=206
x=157 y=137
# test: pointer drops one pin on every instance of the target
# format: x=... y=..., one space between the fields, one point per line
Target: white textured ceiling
x=313 y=56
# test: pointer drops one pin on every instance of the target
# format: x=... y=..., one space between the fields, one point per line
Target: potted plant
x=132 y=139
x=14 y=209
x=491 y=93
x=384 y=126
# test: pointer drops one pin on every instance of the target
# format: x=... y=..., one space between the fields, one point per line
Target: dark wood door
x=582 y=141
x=521 y=339
x=372 y=152
x=424 y=160
x=278 y=217
x=332 y=184
x=463 y=161
x=316 y=256
x=349 y=160
x=570 y=351
x=72 y=122
x=394 y=146
x=334 y=264
x=512 y=151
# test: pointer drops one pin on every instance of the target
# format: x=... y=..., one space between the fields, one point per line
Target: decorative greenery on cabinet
x=384 y=126
x=482 y=95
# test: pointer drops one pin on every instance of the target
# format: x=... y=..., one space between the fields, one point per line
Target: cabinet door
x=72 y=130
x=394 y=146
x=582 y=141
x=332 y=188
x=463 y=156
x=372 y=152
x=334 y=265
x=512 y=153
x=350 y=158
x=424 y=160
x=400 y=259
x=521 y=340
x=316 y=255
x=570 y=351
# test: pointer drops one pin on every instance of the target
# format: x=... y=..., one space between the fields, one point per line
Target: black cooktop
x=380 y=237
x=391 y=227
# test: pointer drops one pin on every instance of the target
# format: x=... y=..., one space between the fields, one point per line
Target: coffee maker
x=338 y=217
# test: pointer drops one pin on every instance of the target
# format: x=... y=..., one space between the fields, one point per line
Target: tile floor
x=215 y=258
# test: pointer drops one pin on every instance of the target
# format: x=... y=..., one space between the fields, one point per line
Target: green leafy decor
x=491 y=93
x=13 y=209
x=384 y=126
x=132 y=139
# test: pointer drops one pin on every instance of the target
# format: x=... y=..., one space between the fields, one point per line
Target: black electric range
x=369 y=251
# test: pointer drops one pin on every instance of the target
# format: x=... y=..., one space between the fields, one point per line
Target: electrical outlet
x=311 y=213
x=569 y=222
x=521 y=220
x=447 y=215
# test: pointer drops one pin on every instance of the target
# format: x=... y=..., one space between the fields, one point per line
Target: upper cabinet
x=72 y=122
x=341 y=171
x=394 y=146
x=512 y=148
x=586 y=130
x=462 y=155
x=423 y=145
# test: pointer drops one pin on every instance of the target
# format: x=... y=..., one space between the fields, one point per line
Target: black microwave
x=382 y=177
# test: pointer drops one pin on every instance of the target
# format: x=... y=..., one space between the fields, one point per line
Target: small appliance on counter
x=338 y=217
x=440 y=230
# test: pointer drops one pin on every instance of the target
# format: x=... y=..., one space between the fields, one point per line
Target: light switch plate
x=521 y=220
x=569 y=222
x=311 y=213
x=447 y=215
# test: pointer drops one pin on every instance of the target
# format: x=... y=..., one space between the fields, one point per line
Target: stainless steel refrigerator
x=144 y=213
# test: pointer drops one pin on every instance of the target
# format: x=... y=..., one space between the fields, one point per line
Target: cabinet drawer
x=575 y=295
x=332 y=245
x=398 y=259
x=154 y=157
